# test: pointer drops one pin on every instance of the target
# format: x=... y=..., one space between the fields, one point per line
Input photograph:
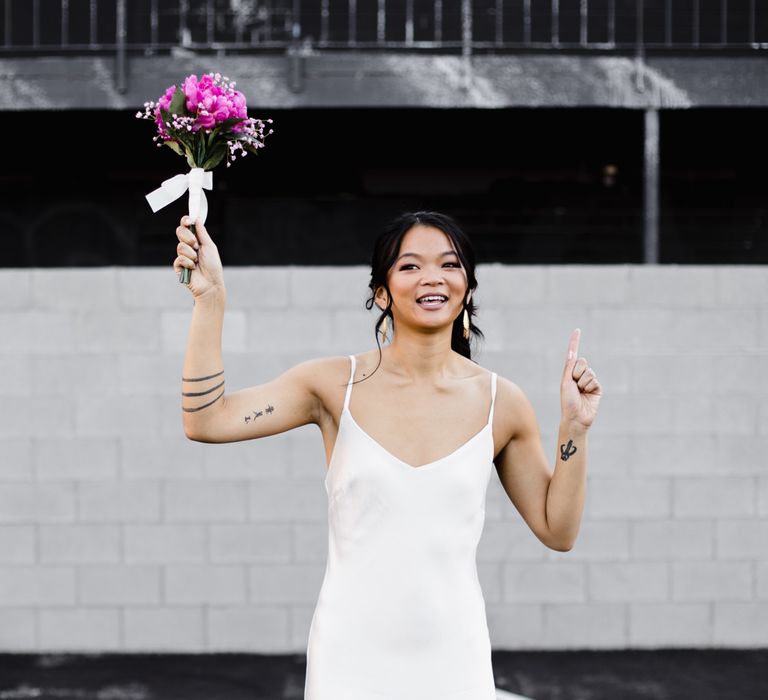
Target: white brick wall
x=118 y=533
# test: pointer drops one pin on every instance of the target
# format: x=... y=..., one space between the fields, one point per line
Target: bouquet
x=205 y=120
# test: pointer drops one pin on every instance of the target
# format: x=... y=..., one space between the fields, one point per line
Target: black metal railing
x=154 y=26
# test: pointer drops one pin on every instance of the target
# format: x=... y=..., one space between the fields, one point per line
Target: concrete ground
x=568 y=675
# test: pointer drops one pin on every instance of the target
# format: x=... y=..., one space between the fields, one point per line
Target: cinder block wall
x=118 y=533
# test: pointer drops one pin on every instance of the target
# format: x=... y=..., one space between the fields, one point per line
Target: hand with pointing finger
x=580 y=391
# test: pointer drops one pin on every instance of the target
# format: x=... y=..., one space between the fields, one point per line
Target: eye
x=407 y=266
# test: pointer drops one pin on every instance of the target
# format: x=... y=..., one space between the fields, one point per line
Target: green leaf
x=186 y=139
x=186 y=146
x=190 y=155
x=213 y=161
x=200 y=151
x=227 y=123
x=174 y=146
x=179 y=103
x=215 y=156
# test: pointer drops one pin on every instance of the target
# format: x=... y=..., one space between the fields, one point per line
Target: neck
x=420 y=356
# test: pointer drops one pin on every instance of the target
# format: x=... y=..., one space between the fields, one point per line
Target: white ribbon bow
x=194 y=181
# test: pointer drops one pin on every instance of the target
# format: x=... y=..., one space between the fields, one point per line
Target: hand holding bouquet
x=197 y=252
x=204 y=120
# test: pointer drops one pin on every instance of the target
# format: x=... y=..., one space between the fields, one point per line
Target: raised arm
x=209 y=413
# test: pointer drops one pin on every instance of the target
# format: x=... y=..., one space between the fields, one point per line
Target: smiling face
x=427 y=280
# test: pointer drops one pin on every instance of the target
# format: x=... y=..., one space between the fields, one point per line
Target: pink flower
x=238 y=109
x=205 y=120
x=209 y=102
x=238 y=104
x=190 y=87
x=164 y=103
x=222 y=112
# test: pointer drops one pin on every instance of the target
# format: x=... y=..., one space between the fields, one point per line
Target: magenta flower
x=190 y=91
x=163 y=104
x=206 y=120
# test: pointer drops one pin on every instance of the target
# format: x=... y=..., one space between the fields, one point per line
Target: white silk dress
x=401 y=614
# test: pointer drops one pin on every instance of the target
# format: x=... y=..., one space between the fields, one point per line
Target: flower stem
x=184 y=275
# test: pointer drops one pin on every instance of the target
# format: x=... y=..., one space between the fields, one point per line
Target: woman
x=401 y=615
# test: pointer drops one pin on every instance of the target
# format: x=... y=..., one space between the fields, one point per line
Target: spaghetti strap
x=493 y=397
x=349 y=384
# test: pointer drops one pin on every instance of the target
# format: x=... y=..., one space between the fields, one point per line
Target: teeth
x=434 y=298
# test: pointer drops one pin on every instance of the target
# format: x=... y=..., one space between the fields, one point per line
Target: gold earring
x=384 y=330
x=466 y=317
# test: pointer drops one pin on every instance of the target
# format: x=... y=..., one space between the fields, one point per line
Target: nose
x=432 y=282
x=432 y=276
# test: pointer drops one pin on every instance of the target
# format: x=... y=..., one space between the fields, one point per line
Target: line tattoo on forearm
x=567 y=451
x=258 y=414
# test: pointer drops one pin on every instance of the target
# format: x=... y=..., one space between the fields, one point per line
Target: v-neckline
x=411 y=467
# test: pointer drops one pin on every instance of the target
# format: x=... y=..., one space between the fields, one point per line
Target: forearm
x=202 y=384
x=567 y=487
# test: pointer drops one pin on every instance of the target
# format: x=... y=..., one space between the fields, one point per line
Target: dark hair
x=385 y=251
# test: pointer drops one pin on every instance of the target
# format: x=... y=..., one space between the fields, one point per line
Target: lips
x=432 y=300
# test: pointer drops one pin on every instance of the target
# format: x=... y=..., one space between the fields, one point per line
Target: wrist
x=214 y=295
x=572 y=427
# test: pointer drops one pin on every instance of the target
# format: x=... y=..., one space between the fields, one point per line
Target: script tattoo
x=258 y=414
x=567 y=451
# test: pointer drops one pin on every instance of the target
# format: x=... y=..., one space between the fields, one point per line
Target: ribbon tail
x=169 y=191
x=158 y=199
x=198 y=205
x=207 y=184
x=203 y=208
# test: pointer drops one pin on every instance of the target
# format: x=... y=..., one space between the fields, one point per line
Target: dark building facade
x=556 y=131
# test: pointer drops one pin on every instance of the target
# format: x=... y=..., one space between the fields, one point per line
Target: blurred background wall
x=605 y=157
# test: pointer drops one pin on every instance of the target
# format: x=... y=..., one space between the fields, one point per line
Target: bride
x=411 y=430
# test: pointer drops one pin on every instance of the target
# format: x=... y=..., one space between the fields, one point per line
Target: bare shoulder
x=324 y=374
x=513 y=408
x=508 y=391
x=513 y=412
x=327 y=378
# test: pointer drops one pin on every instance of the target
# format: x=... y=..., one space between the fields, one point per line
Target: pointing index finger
x=573 y=344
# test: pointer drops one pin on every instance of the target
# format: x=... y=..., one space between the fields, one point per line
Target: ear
x=381 y=296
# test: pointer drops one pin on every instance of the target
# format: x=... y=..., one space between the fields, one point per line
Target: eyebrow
x=416 y=255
